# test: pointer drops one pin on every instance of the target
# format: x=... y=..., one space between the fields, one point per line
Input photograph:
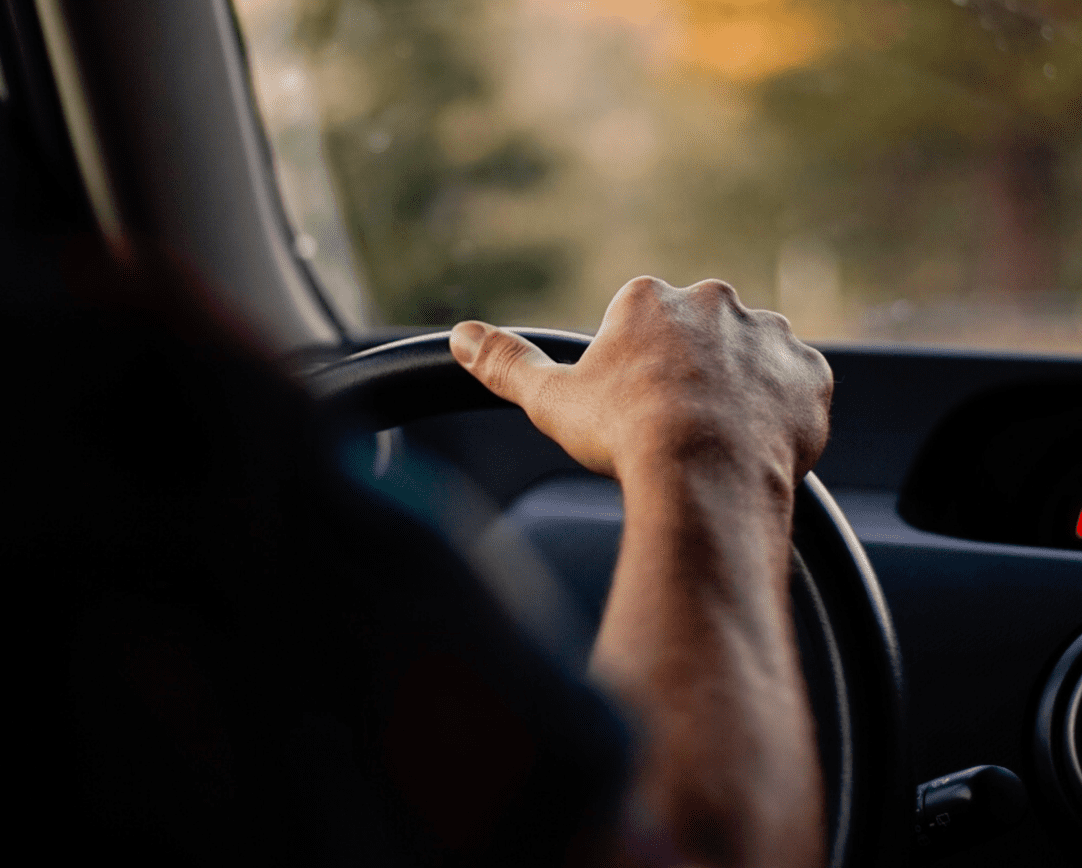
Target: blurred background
x=877 y=170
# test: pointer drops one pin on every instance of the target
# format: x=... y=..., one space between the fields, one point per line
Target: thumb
x=507 y=364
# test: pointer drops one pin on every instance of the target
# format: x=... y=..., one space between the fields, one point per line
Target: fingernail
x=466 y=339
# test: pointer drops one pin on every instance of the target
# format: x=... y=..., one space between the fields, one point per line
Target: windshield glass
x=878 y=171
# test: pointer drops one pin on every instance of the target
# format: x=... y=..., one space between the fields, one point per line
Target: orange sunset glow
x=743 y=40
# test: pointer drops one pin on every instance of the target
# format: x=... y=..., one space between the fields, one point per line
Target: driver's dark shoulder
x=231 y=641
x=154 y=463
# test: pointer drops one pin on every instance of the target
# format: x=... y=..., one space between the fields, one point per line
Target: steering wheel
x=849 y=651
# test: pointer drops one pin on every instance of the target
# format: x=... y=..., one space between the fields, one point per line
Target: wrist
x=708 y=469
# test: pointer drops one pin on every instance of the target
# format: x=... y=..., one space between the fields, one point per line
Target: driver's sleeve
x=232 y=655
x=425 y=724
x=226 y=652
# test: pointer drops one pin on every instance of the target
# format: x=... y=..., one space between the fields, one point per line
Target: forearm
x=698 y=638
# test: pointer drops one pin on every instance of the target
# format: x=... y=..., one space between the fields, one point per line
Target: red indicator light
x=1078 y=527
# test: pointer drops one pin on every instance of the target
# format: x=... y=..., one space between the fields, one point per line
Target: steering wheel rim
x=839 y=607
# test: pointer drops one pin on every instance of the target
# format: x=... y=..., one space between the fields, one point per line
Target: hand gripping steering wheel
x=849 y=652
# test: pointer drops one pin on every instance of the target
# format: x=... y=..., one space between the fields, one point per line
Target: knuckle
x=720 y=287
x=818 y=360
x=718 y=291
x=775 y=320
x=643 y=286
x=717 y=297
x=647 y=283
x=635 y=299
x=729 y=297
x=821 y=372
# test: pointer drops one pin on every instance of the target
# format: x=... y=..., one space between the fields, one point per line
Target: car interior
x=937 y=577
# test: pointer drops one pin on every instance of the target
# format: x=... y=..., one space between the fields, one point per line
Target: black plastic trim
x=33 y=98
x=274 y=193
x=1055 y=736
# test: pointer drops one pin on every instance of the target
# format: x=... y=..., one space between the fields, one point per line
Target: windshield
x=878 y=171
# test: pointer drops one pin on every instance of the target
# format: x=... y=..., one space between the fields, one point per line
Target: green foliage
x=916 y=149
x=908 y=125
x=469 y=289
x=403 y=195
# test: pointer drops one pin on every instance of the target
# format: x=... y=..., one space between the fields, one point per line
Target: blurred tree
x=936 y=131
x=390 y=72
x=889 y=149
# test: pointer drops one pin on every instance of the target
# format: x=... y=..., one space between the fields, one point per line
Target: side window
x=889 y=171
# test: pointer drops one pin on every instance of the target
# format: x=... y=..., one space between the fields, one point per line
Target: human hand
x=685 y=374
x=708 y=413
